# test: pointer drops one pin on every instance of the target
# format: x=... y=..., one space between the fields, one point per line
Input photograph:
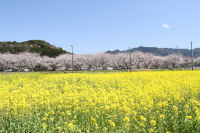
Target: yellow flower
x=51 y=118
x=44 y=126
x=126 y=119
x=58 y=128
x=52 y=112
x=62 y=113
x=73 y=100
x=141 y=124
x=70 y=125
x=68 y=113
x=105 y=129
x=189 y=117
x=153 y=122
x=174 y=108
x=44 y=119
x=93 y=120
x=151 y=130
x=142 y=118
x=161 y=116
x=112 y=124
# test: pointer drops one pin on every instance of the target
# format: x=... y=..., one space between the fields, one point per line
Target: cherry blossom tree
x=120 y=61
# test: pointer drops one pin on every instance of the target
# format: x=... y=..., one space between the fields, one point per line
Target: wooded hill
x=32 y=46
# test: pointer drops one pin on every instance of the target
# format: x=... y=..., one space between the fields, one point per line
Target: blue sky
x=99 y=25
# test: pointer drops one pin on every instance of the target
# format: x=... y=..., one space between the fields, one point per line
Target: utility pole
x=130 y=65
x=192 y=57
x=72 y=58
x=177 y=47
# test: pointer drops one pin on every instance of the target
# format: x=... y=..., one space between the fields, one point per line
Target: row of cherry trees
x=103 y=61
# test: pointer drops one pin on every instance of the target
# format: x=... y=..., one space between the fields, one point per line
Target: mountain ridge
x=159 y=51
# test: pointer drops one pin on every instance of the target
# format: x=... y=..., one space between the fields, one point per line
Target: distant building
x=8 y=70
x=23 y=70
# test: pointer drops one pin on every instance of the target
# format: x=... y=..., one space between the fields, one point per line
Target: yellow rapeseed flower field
x=165 y=101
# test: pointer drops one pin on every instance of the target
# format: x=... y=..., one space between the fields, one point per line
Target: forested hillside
x=34 y=46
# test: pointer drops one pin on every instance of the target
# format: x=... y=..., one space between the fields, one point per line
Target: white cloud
x=166 y=26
